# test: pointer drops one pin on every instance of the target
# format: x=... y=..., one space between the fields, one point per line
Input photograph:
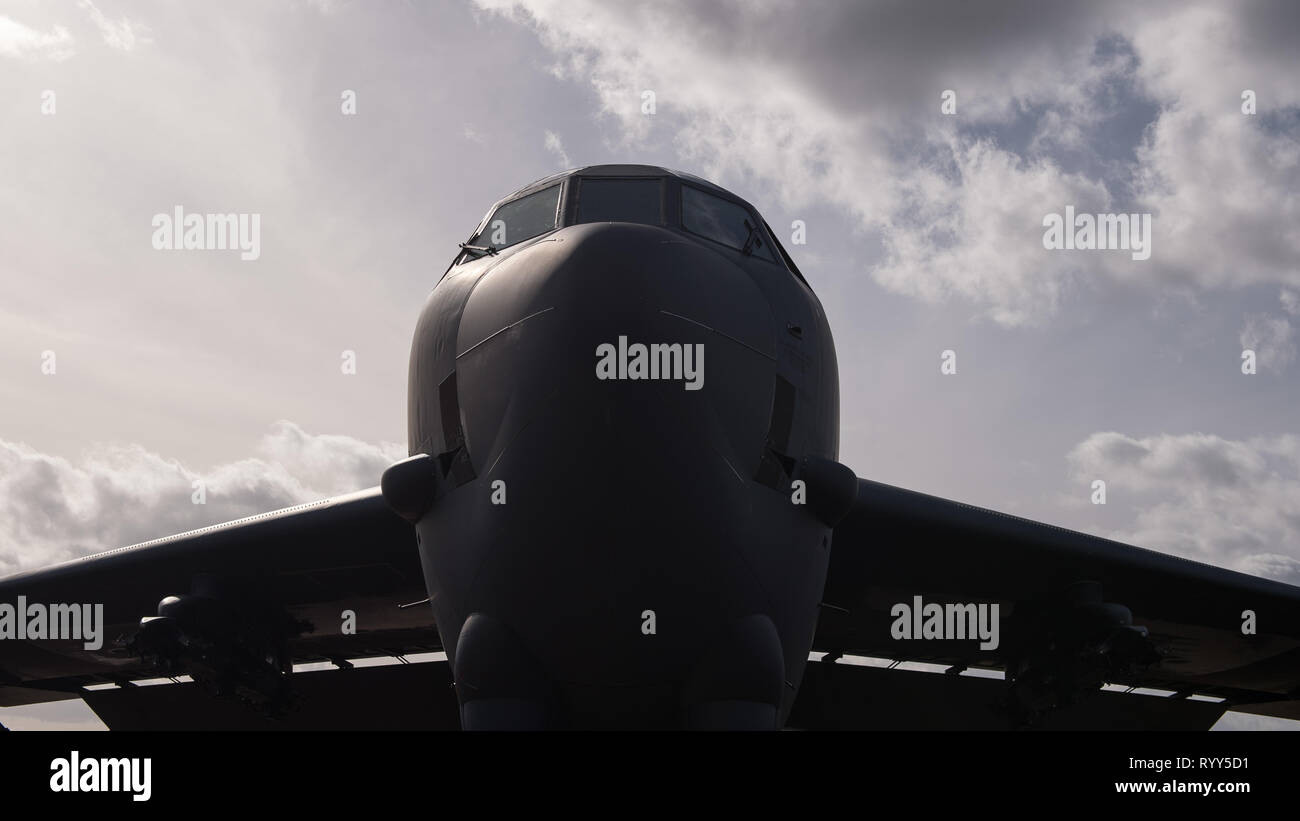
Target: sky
x=919 y=146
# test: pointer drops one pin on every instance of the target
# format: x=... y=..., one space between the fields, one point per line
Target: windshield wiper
x=479 y=249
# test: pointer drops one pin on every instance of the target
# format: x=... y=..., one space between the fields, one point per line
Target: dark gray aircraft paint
x=623 y=508
x=648 y=566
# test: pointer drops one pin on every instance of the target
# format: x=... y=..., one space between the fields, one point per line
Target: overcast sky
x=924 y=233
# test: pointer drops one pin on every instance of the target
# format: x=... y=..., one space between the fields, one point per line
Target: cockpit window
x=620 y=200
x=519 y=220
x=724 y=221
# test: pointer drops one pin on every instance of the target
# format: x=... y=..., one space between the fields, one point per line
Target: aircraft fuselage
x=617 y=537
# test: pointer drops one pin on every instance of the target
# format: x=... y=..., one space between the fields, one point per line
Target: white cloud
x=1225 y=196
x=122 y=34
x=979 y=235
x=53 y=509
x=327 y=7
x=25 y=43
x=842 y=108
x=1272 y=338
x=1234 y=503
x=1290 y=302
x=556 y=147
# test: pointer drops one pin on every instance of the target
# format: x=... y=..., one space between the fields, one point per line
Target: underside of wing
x=397 y=696
x=233 y=606
x=1059 y=614
x=854 y=695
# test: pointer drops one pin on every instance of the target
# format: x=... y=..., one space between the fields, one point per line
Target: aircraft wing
x=1074 y=612
x=319 y=581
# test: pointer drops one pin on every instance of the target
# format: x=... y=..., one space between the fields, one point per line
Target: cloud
x=123 y=34
x=1272 y=340
x=1290 y=302
x=1225 y=185
x=53 y=509
x=966 y=234
x=556 y=147
x=1233 y=503
x=25 y=43
x=1132 y=109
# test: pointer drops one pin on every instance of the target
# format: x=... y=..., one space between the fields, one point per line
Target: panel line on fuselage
x=500 y=331
x=722 y=334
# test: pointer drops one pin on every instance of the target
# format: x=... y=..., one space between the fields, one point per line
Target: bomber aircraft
x=623 y=509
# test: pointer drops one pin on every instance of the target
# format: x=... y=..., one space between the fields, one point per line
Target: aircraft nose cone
x=601 y=458
x=538 y=328
x=607 y=276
